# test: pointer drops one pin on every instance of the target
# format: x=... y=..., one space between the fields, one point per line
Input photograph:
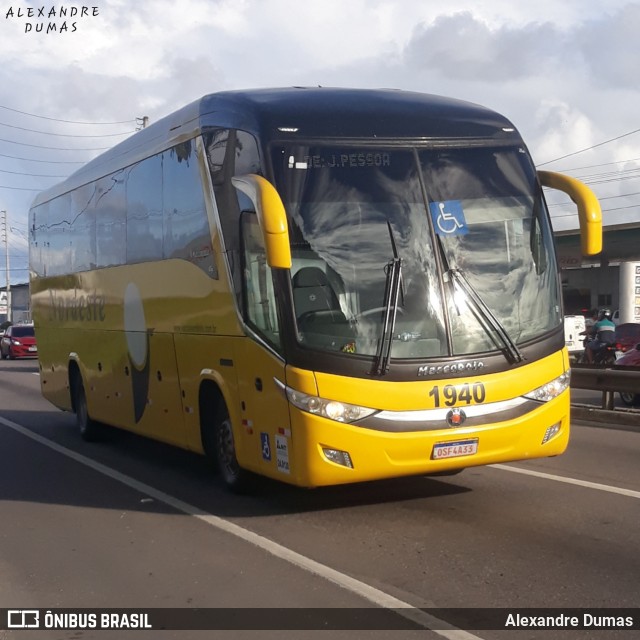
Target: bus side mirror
x=589 y=211
x=271 y=218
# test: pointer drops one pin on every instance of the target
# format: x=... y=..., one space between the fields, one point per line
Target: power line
x=622 y=195
x=575 y=153
x=595 y=166
x=31 y=175
x=4 y=155
x=33 y=115
x=568 y=215
x=37 y=146
x=68 y=135
x=18 y=188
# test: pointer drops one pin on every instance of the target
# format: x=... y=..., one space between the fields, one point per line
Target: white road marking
x=365 y=591
x=581 y=483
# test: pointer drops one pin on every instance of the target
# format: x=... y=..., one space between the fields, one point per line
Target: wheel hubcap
x=226 y=450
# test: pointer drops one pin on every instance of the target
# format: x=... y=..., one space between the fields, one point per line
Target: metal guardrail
x=608 y=378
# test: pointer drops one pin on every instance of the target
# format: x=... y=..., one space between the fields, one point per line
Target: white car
x=573 y=327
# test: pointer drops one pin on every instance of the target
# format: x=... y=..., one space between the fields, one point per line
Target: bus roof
x=301 y=113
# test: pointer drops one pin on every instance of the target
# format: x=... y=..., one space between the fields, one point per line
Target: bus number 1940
x=450 y=394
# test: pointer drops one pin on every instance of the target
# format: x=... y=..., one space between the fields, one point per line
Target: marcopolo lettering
x=451 y=368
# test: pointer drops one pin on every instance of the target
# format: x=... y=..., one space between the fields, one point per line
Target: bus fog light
x=339 y=457
x=551 y=432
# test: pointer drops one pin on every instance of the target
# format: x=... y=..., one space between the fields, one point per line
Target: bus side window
x=186 y=232
x=538 y=251
x=259 y=296
x=231 y=153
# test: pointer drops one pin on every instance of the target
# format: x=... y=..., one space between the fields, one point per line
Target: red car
x=627 y=336
x=630 y=359
x=19 y=341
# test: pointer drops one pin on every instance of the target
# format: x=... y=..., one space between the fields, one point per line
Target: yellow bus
x=317 y=285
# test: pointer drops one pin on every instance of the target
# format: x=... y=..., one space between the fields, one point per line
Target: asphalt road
x=135 y=524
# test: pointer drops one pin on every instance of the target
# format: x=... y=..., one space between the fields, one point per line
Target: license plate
x=454 y=449
x=33 y=348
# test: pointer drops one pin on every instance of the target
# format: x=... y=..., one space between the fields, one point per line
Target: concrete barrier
x=627 y=419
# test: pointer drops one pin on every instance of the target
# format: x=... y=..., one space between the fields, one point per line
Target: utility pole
x=5 y=232
x=142 y=122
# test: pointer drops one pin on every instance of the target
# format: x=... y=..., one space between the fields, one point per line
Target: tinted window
x=144 y=210
x=58 y=236
x=260 y=299
x=83 y=229
x=38 y=238
x=231 y=153
x=186 y=225
x=22 y=332
x=110 y=208
x=628 y=331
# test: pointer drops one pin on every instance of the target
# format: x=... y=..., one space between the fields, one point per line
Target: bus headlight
x=332 y=409
x=550 y=390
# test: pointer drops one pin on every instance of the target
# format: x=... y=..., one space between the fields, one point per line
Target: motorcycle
x=603 y=357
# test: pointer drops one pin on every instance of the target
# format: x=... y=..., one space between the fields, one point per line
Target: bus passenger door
x=265 y=434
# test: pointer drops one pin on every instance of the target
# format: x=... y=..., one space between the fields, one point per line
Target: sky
x=564 y=72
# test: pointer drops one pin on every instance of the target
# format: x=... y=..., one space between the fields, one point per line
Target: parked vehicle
x=19 y=341
x=630 y=359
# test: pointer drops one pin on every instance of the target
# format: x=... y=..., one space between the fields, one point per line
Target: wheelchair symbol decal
x=448 y=218
x=266 y=447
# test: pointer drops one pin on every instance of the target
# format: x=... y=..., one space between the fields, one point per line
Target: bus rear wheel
x=235 y=478
x=90 y=430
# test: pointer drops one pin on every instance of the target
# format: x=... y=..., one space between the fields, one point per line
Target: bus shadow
x=190 y=478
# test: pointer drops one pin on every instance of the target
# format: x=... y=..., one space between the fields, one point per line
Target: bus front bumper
x=325 y=452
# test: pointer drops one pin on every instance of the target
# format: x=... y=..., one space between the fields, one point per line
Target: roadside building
x=611 y=279
x=19 y=303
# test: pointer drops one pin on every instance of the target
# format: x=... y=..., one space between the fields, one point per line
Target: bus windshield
x=463 y=230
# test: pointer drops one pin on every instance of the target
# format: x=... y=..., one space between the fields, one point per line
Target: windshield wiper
x=393 y=290
x=486 y=317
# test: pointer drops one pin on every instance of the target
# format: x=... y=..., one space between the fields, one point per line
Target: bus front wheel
x=235 y=478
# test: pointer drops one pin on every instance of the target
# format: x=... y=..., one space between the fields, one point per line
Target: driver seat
x=312 y=292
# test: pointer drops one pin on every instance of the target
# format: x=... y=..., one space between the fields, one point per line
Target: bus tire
x=90 y=430
x=234 y=477
x=630 y=398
